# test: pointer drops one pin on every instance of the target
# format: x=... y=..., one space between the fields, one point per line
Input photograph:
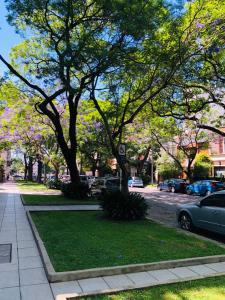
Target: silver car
x=208 y=213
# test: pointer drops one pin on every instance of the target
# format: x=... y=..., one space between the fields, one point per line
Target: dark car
x=173 y=185
x=204 y=187
x=208 y=213
x=102 y=185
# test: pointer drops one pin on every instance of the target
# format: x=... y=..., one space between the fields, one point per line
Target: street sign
x=122 y=149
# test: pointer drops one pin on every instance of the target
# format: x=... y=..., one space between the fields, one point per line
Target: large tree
x=70 y=43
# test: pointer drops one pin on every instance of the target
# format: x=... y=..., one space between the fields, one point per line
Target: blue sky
x=8 y=37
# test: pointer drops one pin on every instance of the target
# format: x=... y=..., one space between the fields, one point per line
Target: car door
x=209 y=215
x=220 y=203
x=164 y=185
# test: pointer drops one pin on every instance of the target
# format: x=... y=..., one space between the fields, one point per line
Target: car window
x=217 y=200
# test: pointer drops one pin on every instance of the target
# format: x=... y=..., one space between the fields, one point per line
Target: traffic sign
x=122 y=149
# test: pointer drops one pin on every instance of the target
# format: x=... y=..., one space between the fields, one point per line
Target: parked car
x=102 y=185
x=204 y=187
x=173 y=185
x=135 y=182
x=208 y=213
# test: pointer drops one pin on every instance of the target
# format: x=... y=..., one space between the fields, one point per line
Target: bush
x=119 y=206
x=75 y=190
x=202 y=166
x=146 y=179
x=54 y=184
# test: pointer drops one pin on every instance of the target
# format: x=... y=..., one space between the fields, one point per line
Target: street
x=163 y=206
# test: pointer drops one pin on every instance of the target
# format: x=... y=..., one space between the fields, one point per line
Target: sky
x=8 y=37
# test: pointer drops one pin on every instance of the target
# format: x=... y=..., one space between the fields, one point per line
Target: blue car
x=208 y=213
x=135 y=182
x=204 y=187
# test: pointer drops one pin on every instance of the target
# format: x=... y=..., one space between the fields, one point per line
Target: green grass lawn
x=80 y=240
x=54 y=199
x=25 y=185
x=204 y=289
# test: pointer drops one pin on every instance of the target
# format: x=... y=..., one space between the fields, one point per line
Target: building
x=217 y=155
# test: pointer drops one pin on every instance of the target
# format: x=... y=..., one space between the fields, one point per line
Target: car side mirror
x=198 y=204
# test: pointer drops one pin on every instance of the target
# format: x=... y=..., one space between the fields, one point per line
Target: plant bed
x=55 y=200
x=204 y=289
x=85 y=240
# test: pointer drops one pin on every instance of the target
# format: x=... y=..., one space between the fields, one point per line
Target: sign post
x=122 y=154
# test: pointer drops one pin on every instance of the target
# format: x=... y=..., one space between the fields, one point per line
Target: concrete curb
x=97 y=272
x=141 y=286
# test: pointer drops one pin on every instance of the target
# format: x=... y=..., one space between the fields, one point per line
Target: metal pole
x=152 y=168
x=121 y=180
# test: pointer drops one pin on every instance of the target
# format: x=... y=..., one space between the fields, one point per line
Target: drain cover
x=5 y=253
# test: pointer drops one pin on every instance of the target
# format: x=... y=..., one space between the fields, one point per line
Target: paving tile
x=93 y=284
x=118 y=281
x=142 y=278
x=183 y=272
x=219 y=267
x=36 y=292
x=28 y=252
x=61 y=290
x=32 y=276
x=202 y=270
x=9 y=279
x=163 y=275
x=30 y=262
x=24 y=235
x=8 y=267
x=26 y=244
x=10 y=293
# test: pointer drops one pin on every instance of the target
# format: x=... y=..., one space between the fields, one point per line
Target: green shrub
x=146 y=179
x=119 y=206
x=54 y=184
x=75 y=190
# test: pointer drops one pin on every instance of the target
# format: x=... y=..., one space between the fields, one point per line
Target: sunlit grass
x=82 y=240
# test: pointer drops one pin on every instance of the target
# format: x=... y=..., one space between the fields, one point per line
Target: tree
x=202 y=166
x=72 y=43
x=199 y=84
x=181 y=141
x=167 y=167
x=22 y=127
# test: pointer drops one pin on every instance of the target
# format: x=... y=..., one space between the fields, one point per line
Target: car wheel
x=186 y=222
x=173 y=189
x=188 y=192
x=207 y=193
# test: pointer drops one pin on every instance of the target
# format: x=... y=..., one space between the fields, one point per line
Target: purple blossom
x=200 y=25
x=37 y=136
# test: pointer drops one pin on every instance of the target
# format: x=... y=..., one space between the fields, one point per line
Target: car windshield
x=178 y=180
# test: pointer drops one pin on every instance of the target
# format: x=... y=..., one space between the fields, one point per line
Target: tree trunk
x=39 y=175
x=142 y=162
x=30 y=169
x=56 y=168
x=25 y=166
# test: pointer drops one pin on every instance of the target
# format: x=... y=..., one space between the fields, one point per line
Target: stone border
x=97 y=272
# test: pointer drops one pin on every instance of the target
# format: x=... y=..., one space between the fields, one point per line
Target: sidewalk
x=24 y=278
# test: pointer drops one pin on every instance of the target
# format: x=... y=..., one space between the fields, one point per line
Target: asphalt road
x=163 y=206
